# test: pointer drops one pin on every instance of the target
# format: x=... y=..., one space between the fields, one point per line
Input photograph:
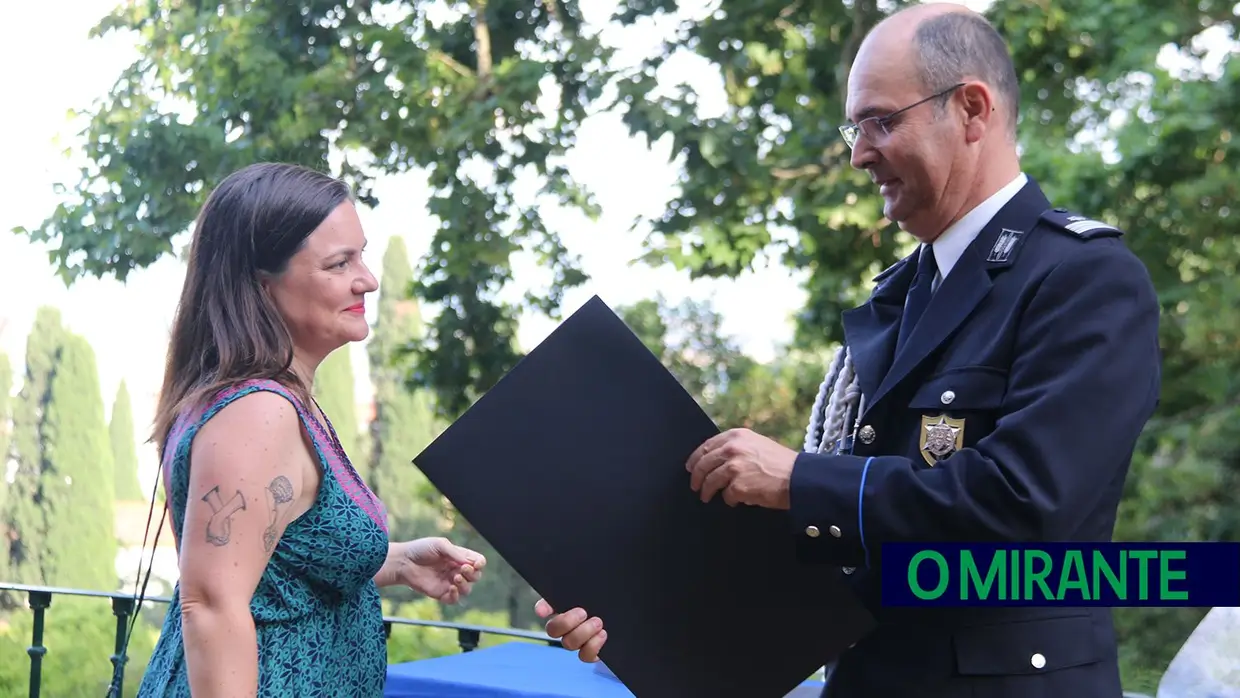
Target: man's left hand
x=746 y=467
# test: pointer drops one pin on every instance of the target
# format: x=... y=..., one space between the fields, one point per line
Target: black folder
x=573 y=467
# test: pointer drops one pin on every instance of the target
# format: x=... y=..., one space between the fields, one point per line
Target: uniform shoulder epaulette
x=1080 y=226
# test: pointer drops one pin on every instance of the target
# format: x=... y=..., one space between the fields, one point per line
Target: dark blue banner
x=1061 y=574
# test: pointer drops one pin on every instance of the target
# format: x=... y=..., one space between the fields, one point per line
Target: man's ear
x=978 y=110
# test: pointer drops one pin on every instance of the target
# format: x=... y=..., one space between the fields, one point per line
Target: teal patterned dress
x=316 y=608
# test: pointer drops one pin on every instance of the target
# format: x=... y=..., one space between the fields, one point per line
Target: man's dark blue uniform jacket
x=1043 y=342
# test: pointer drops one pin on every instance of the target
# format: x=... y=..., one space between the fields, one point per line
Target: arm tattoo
x=279 y=493
x=219 y=527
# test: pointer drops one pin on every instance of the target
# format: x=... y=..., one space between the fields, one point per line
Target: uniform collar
x=952 y=243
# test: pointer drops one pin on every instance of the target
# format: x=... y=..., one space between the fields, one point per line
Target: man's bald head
x=947 y=43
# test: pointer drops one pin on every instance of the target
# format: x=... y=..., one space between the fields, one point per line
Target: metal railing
x=39 y=598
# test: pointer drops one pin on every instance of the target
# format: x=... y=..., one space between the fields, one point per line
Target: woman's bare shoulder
x=261 y=422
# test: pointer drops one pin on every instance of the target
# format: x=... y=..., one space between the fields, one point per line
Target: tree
x=76 y=487
x=6 y=434
x=689 y=341
x=405 y=421
x=456 y=95
x=773 y=398
x=6 y=407
x=23 y=511
x=124 y=448
x=334 y=391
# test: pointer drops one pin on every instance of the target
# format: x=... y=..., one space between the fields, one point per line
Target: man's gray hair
x=957 y=46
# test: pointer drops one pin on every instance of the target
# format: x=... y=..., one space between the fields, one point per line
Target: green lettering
x=1166 y=575
x=1143 y=585
x=1014 y=593
x=1073 y=564
x=969 y=578
x=1039 y=578
x=944 y=575
x=1118 y=584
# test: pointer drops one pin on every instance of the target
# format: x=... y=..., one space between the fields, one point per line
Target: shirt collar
x=952 y=243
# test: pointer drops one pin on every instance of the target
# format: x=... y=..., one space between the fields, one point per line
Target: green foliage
x=6 y=405
x=405 y=421
x=735 y=390
x=769 y=176
x=6 y=434
x=124 y=447
x=23 y=512
x=79 y=634
x=221 y=85
x=76 y=485
x=774 y=399
x=334 y=391
x=410 y=643
x=687 y=339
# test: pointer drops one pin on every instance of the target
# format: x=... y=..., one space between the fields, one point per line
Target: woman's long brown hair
x=227 y=329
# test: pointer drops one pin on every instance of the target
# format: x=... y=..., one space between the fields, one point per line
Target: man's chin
x=895 y=213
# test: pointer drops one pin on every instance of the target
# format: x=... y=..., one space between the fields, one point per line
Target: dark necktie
x=918 y=295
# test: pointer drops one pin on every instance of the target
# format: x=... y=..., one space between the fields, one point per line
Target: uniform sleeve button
x=811 y=531
x=1037 y=660
x=835 y=531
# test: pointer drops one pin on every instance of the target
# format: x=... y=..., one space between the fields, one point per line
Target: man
x=991 y=389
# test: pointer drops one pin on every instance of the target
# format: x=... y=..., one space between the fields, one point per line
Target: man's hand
x=746 y=467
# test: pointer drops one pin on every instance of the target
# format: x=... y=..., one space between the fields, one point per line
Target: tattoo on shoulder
x=219 y=526
x=279 y=494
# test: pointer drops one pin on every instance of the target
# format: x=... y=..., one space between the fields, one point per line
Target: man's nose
x=863 y=154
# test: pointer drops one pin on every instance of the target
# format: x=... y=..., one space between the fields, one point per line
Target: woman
x=282 y=546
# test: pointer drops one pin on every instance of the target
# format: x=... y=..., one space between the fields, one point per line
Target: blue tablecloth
x=509 y=670
x=512 y=670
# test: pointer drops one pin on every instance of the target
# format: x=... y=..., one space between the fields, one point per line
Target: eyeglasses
x=876 y=127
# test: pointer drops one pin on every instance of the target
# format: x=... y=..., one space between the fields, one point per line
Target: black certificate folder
x=573 y=467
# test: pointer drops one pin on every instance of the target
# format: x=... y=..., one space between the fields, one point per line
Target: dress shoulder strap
x=320 y=437
x=332 y=460
x=187 y=426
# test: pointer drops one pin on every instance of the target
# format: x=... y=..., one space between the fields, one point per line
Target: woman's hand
x=434 y=567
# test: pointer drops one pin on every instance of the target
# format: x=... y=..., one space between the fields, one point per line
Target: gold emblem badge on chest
x=941 y=436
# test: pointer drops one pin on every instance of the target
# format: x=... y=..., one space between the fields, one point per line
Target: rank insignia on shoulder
x=941 y=436
x=1081 y=226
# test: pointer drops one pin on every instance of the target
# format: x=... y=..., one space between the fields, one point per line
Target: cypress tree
x=124 y=448
x=77 y=482
x=404 y=420
x=6 y=432
x=23 y=508
x=333 y=389
x=404 y=424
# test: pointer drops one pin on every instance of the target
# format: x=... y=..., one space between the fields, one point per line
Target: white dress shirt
x=952 y=243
